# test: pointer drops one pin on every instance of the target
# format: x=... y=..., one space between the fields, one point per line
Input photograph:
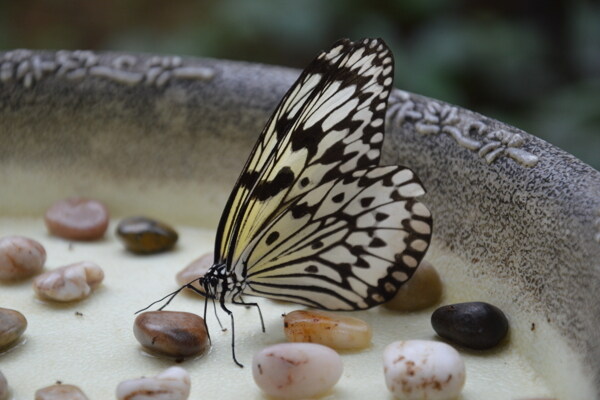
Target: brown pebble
x=3 y=387
x=20 y=258
x=12 y=326
x=423 y=290
x=144 y=235
x=77 y=218
x=195 y=270
x=171 y=333
x=60 y=392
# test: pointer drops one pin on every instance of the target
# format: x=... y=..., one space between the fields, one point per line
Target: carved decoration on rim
x=434 y=118
x=28 y=67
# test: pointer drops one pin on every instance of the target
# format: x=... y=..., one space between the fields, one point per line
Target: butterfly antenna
x=170 y=296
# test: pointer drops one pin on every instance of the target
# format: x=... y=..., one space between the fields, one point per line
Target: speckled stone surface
x=514 y=207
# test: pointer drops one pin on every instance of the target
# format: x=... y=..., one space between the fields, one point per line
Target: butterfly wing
x=328 y=124
x=346 y=245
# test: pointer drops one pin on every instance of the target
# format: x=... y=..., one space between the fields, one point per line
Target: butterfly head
x=216 y=282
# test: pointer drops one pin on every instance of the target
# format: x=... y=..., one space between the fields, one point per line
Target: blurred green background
x=533 y=64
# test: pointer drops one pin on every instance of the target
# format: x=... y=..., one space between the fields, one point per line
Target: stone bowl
x=516 y=220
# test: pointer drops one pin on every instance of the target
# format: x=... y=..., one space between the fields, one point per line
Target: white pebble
x=296 y=370
x=423 y=370
x=3 y=387
x=68 y=283
x=171 y=384
x=20 y=257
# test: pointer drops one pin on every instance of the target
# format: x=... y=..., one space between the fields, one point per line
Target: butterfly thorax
x=220 y=284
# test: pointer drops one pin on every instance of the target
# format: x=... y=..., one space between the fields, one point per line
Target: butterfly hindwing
x=330 y=123
x=346 y=245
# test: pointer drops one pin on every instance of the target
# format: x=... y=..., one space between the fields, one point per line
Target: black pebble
x=475 y=325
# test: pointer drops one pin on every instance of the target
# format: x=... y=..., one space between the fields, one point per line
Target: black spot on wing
x=376 y=242
x=366 y=201
x=338 y=198
x=317 y=244
x=381 y=216
x=273 y=236
x=333 y=154
x=313 y=269
x=248 y=179
x=267 y=189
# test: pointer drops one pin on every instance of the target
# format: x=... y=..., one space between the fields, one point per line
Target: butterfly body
x=313 y=219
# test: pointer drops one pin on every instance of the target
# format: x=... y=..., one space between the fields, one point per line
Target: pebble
x=423 y=370
x=172 y=384
x=20 y=258
x=60 y=392
x=69 y=283
x=422 y=290
x=77 y=218
x=296 y=370
x=12 y=326
x=146 y=236
x=171 y=333
x=3 y=387
x=329 y=329
x=196 y=269
x=475 y=325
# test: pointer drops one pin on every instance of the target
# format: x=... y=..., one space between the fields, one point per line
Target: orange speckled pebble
x=329 y=329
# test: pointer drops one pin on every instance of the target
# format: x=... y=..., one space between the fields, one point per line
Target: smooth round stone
x=296 y=370
x=77 y=218
x=60 y=392
x=172 y=384
x=3 y=387
x=146 y=236
x=171 y=333
x=475 y=325
x=12 y=326
x=196 y=269
x=69 y=283
x=422 y=290
x=423 y=370
x=339 y=332
x=20 y=258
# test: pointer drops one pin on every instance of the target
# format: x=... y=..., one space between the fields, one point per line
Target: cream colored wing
x=330 y=123
x=345 y=245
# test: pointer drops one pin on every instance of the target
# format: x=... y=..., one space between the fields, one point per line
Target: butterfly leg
x=242 y=302
x=230 y=313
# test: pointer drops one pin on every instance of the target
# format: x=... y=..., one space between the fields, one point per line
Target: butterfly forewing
x=346 y=245
x=330 y=123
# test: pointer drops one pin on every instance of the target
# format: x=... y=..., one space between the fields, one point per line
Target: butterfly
x=313 y=219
